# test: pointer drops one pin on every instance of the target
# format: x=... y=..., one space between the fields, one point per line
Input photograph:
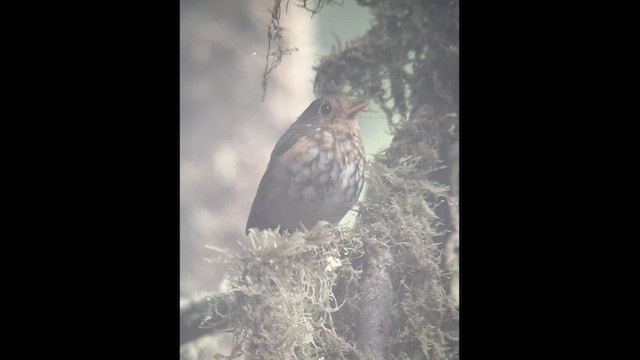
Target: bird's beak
x=357 y=106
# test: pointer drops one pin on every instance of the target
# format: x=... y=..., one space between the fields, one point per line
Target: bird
x=316 y=171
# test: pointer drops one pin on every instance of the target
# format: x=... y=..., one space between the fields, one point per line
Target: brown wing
x=258 y=216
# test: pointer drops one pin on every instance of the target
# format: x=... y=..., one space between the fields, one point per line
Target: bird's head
x=332 y=110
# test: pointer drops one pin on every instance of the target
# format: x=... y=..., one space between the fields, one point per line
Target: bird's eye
x=325 y=109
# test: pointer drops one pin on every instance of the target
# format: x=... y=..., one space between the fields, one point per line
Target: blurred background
x=226 y=131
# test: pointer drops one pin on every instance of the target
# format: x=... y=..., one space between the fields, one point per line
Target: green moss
x=283 y=297
x=400 y=211
x=408 y=58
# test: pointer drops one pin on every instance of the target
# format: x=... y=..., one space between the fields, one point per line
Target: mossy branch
x=376 y=302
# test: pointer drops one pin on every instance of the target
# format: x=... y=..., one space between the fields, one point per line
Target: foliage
x=408 y=58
